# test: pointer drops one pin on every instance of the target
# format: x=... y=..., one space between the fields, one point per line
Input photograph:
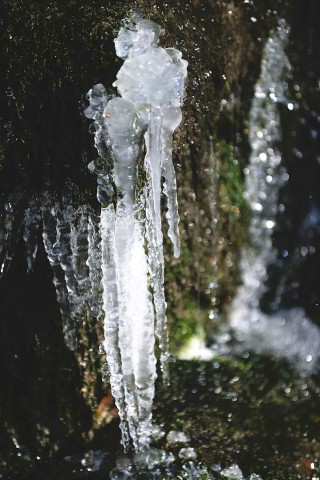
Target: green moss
x=232 y=219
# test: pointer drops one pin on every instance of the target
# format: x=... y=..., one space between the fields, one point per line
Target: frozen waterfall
x=151 y=84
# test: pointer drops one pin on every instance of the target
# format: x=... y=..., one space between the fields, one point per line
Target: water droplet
x=270 y=224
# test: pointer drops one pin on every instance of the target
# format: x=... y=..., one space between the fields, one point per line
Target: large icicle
x=152 y=78
x=151 y=84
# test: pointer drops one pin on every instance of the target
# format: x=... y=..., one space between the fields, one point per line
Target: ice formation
x=70 y=239
x=151 y=84
x=288 y=332
x=9 y=235
x=112 y=267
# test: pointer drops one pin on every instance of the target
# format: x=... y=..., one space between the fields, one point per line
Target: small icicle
x=10 y=227
x=79 y=251
x=49 y=235
x=170 y=190
x=64 y=251
x=31 y=221
x=153 y=169
x=171 y=120
x=156 y=267
x=5 y=236
x=94 y=265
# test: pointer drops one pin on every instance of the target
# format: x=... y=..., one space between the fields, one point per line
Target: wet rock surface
x=251 y=416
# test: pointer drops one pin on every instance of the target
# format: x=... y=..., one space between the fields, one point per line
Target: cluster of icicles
x=112 y=267
x=151 y=84
x=71 y=241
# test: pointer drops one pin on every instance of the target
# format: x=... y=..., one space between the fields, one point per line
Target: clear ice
x=151 y=84
x=71 y=240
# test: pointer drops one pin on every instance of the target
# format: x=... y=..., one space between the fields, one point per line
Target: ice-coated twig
x=153 y=78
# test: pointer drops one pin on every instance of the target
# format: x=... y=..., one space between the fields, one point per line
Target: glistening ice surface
x=151 y=85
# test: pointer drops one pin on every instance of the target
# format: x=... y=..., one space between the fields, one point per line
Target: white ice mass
x=151 y=84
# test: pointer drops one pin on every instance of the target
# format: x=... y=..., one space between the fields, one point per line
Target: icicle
x=5 y=235
x=171 y=120
x=72 y=243
x=151 y=83
x=170 y=190
x=49 y=235
x=32 y=219
x=156 y=266
x=136 y=325
x=112 y=318
x=94 y=265
x=10 y=227
x=79 y=250
x=136 y=329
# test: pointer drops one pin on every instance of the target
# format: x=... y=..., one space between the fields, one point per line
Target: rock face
x=51 y=398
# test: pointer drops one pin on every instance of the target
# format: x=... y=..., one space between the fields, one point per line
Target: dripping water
x=287 y=333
